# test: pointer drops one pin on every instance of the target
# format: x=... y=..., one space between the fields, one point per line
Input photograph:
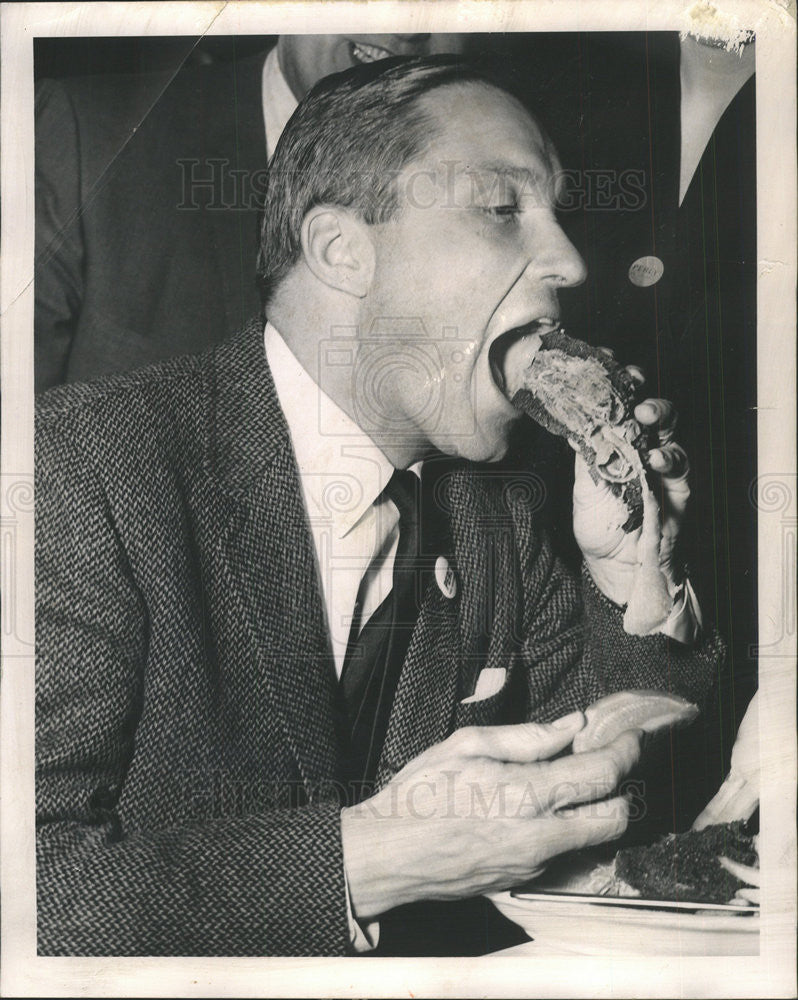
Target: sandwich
x=580 y=393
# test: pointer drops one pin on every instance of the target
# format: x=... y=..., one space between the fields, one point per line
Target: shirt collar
x=279 y=102
x=342 y=470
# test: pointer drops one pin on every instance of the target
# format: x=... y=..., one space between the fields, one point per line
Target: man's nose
x=558 y=261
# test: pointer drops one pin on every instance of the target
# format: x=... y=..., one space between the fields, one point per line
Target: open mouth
x=363 y=53
x=512 y=351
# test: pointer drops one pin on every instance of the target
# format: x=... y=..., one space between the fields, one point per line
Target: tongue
x=517 y=359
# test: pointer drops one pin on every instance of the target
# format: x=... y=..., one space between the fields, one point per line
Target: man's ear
x=337 y=249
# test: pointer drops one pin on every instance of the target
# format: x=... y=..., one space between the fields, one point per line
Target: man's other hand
x=738 y=796
x=480 y=812
x=612 y=554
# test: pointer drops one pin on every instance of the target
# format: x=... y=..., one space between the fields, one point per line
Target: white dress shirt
x=342 y=473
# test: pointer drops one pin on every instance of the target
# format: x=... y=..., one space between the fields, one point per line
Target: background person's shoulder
x=167 y=386
x=123 y=392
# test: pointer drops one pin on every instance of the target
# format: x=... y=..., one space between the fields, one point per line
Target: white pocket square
x=490 y=681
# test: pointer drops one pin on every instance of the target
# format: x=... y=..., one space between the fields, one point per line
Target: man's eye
x=503 y=212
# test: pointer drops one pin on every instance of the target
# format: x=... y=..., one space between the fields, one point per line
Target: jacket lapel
x=456 y=638
x=483 y=535
x=268 y=552
x=427 y=691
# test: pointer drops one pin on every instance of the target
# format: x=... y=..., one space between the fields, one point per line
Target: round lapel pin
x=445 y=578
x=646 y=271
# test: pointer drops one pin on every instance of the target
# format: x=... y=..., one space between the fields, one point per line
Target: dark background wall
x=62 y=57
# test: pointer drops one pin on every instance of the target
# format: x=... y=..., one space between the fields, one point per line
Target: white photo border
x=772 y=973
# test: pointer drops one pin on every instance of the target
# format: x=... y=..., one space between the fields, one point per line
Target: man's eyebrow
x=504 y=169
x=539 y=181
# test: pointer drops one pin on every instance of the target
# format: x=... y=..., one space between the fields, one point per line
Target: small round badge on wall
x=646 y=271
x=445 y=578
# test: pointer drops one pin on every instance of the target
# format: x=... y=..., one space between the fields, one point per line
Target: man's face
x=306 y=59
x=474 y=253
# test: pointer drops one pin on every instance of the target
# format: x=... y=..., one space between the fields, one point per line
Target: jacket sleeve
x=265 y=883
x=574 y=646
x=59 y=253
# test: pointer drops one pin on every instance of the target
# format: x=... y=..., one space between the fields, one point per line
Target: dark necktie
x=374 y=657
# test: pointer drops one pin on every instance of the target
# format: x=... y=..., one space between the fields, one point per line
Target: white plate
x=561 y=923
x=593 y=929
x=637 y=901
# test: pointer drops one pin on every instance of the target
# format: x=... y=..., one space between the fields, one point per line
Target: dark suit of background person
x=131 y=265
x=184 y=758
x=612 y=105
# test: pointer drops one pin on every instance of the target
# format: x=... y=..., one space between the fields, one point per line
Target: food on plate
x=682 y=867
x=579 y=392
x=646 y=710
x=686 y=866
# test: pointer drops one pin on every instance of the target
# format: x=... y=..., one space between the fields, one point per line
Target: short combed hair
x=346 y=144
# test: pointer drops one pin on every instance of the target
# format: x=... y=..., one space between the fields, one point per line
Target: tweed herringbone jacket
x=185 y=737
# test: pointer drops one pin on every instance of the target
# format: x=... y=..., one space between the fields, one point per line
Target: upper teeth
x=368 y=53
